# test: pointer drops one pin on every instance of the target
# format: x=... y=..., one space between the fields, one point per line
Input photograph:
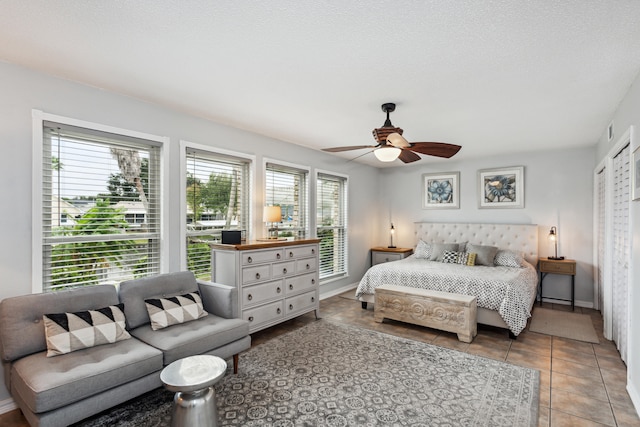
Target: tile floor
x=581 y=384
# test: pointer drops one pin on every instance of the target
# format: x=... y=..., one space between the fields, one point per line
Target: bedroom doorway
x=613 y=245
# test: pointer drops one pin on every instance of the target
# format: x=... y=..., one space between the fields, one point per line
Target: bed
x=505 y=293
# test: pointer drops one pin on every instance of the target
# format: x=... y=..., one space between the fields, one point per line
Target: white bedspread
x=507 y=290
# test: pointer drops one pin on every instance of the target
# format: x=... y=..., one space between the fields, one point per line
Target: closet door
x=601 y=187
x=621 y=250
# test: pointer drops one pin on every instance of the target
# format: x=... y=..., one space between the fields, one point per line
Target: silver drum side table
x=192 y=379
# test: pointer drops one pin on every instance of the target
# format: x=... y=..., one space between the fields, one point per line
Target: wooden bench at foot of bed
x=434 y=309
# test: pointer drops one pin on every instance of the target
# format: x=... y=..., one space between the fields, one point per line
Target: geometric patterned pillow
x=423 y=250
x=451 y=257
x=507 y=258
x=165 y=312
x=471 y=258
x=67 y=332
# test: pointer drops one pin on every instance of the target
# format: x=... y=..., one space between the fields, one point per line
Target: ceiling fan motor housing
x=381 y=134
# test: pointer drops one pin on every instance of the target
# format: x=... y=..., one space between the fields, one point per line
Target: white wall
x=23 y=90
x=628 y=114
x=558 y=191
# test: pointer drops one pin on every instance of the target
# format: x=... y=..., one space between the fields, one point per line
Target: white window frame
x=345 y=273
x=309 y=226
x=184 y=146
x=38 y=119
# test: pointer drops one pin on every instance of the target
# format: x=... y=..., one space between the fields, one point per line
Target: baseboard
x=334 y=292
x=7 y=405
x=578 y=303
x=634 y=394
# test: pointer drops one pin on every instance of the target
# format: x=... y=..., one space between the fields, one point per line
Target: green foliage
x=196 y=252
x=82 y=262
x=122 y=190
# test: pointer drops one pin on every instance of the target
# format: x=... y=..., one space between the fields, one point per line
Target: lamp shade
x=272 y=214
x=387 y=154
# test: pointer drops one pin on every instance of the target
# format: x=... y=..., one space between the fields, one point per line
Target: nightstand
x=558 y=266
x=381 y=254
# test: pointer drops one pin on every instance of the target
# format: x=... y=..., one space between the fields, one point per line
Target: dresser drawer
x=306 y=265
x=282 y=269
x=264 y=313
x=258 y=257
x=299 y=252
x=256 y=294
x=300 y=302
x=557 y=267
x=380 y=257
x=300 y=283
x=256 y=274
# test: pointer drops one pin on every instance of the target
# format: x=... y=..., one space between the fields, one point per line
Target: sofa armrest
x=221 y=300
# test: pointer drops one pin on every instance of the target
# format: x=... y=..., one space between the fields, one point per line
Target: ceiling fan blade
x=397 y=140
x=438 y=149
x=408 y=156
x=347 y=148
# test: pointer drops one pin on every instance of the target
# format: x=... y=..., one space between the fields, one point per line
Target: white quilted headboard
x=517 y=237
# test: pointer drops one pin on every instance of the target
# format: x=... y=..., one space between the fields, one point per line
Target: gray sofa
x=60 y=390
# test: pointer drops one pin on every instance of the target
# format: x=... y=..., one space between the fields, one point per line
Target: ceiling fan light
x=387 y=154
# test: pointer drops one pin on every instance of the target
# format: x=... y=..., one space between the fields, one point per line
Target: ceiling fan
x=392 y=145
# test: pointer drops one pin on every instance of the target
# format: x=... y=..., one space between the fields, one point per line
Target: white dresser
x=276 y=281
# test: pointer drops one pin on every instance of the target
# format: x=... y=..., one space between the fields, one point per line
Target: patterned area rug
x=327 y=374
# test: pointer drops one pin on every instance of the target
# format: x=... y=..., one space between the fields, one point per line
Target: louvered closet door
x=621 y=250
x=601 y=185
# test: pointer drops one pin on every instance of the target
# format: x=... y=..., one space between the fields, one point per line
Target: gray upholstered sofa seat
x=61 y=390
x=57 y=391
x=220 y=333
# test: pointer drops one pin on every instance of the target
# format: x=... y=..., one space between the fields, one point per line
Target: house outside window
x=331 y=223
x=90 y=180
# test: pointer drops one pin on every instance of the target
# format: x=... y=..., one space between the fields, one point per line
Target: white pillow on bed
x=507 y=258
x=423 y=250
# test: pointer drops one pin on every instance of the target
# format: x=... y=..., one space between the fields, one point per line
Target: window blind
x=100 y=207
x=331 y=220
x=288 y=188
x=217 y=197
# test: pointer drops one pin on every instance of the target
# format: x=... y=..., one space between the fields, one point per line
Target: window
x=217 y=198
x=288 y=188
x=100 y=207
x=331 y=222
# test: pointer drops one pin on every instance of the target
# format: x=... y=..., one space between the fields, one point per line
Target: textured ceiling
x=492 y=76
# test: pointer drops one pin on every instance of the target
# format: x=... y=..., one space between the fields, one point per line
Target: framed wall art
x=501 y=187
x=635 y=174
x=441 y=190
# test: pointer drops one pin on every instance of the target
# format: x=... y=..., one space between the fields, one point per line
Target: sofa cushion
x=197 y=337
x=21 y=328
x=133 y=293
x=48 y=383
x=67 y=332
x=165 y=312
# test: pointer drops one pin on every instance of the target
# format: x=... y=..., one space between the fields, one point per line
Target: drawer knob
x=308 y=266
x=250 y=319
x=290 y=306
x=278 y=289
x=257 y=275
x=290 y=286
x=278 y=310
x=313 y=251
x=284 y=271
x=249 y=260
x=278 y=256
x=313 y=281
x=290 y=254
x=249 y=297
x=313 y=299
